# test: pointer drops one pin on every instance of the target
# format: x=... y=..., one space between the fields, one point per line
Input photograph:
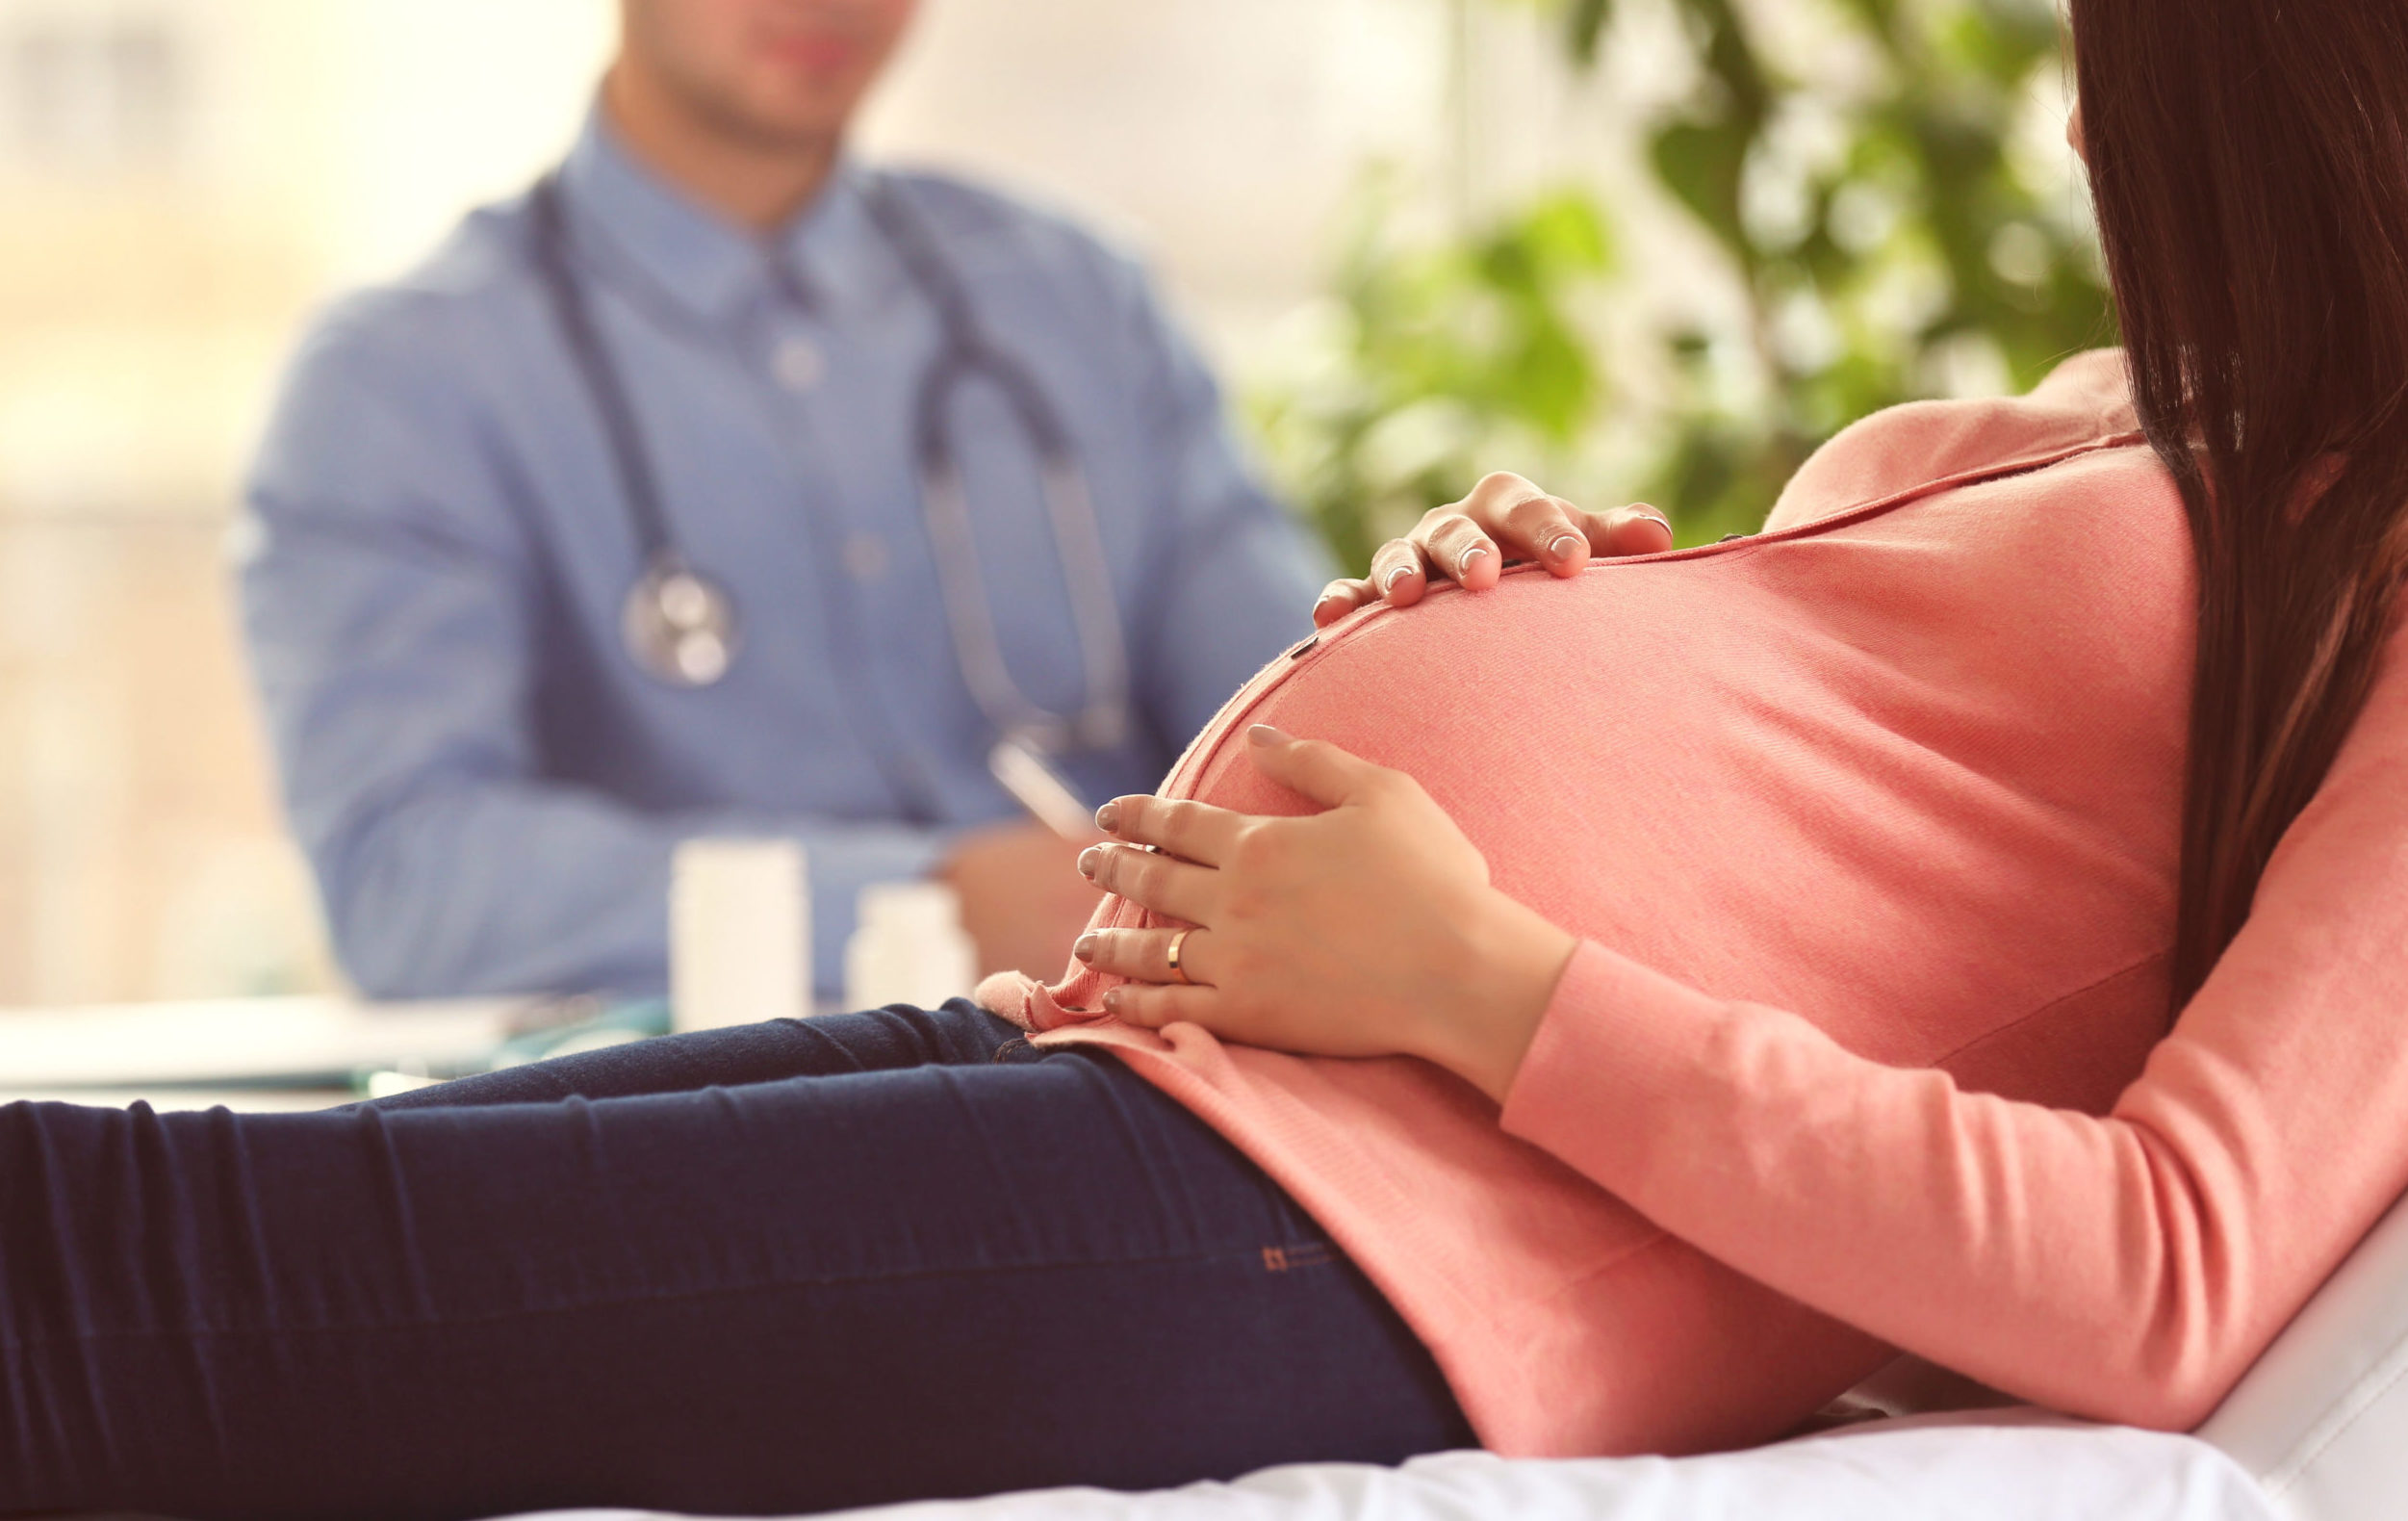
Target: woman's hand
x=1468 y=542
x=1366 y=930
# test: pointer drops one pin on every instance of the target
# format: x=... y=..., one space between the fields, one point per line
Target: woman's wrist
x=1481 y=1026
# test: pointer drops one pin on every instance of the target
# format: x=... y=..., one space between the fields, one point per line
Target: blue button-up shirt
x=438 y=551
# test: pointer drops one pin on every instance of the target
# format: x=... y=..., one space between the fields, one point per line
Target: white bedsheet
x=1994 y=1466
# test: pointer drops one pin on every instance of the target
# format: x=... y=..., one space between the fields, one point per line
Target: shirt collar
x=829 y=254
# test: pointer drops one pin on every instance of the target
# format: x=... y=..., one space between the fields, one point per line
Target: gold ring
x=1179 y=941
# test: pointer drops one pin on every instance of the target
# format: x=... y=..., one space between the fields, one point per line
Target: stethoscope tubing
x=968 y=354
x=965 y=354
x=630 y=461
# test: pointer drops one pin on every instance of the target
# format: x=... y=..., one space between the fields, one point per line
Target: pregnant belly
x=1680 y=761
x=1695 y=763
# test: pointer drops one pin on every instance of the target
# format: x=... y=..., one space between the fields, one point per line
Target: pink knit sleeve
x=2128 y=1268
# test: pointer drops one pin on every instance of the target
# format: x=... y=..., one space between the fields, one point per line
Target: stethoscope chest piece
x=679 y=625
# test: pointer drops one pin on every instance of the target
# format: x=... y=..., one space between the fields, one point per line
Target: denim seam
x=1256 y=1255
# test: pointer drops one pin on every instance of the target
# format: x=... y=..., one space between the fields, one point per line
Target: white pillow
x=2322 y=1419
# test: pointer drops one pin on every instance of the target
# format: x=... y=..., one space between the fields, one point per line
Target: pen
x=1040 y=790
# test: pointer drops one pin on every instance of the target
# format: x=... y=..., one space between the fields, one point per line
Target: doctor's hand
x=1022 y=898
x=1468 y=542
x=1367 y=929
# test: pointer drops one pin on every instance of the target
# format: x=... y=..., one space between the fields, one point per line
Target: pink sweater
x=1868 y=825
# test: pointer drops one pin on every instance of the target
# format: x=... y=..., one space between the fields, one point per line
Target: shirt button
x=797 y=364
x=865 y=558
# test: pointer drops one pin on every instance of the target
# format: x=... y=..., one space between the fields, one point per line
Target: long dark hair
x=2249 y=160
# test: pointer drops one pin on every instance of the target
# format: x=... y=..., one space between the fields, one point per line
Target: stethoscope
x=679 y=624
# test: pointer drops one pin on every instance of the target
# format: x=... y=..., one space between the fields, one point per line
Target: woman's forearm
x=2127 y=1266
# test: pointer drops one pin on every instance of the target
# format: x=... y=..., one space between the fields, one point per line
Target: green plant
x=1432 y=357
x=1887 y=239
x=1916 y=242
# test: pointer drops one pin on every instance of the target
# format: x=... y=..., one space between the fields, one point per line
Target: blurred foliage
x=1886 y=239
x=1441 y=353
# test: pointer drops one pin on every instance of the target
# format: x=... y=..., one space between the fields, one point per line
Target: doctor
x=722 y=484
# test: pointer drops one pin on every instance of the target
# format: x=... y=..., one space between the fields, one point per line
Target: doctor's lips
x=820 y=53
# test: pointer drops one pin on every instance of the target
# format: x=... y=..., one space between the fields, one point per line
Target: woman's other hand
x=1468 y=542
x=1368 y=929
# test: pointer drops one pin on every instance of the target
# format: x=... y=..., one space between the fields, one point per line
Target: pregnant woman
x=1969 y=917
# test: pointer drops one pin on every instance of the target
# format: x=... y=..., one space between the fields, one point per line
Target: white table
x=261 y=1054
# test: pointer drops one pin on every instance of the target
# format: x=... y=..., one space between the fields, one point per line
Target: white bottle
x=911 y=947
x=739 y=933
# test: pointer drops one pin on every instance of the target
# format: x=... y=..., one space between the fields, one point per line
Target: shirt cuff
x=1619 y=1045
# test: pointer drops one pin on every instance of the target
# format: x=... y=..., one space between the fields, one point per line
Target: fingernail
x=1108 y=817
x=1463 y=566
x=1266 y=734
x=1083 y=948
x=1563 y=546
x=1395 y=576
x=1090 y=859
x=1111 y=1000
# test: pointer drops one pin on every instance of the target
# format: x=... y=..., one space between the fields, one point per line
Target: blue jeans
x=786 y=1267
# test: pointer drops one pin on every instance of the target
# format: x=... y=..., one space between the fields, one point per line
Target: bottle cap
x=911 y=908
